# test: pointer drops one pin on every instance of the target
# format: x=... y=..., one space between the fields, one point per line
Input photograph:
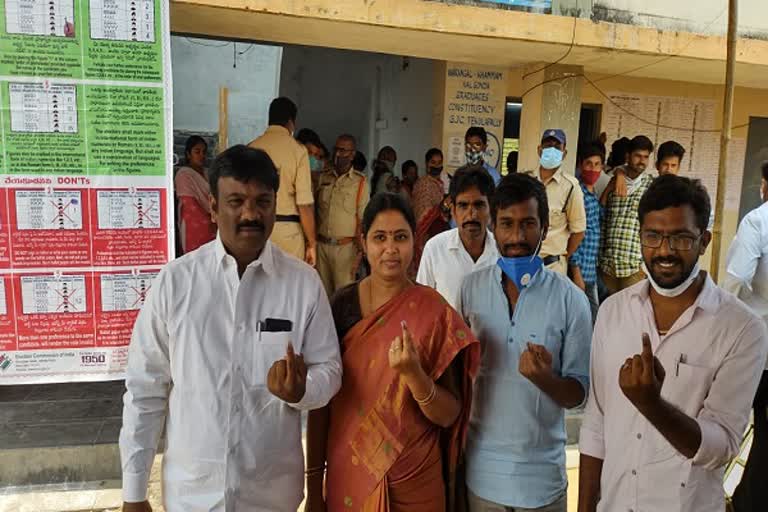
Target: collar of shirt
x=708 y=301
x=455 y=243
x=278 y=129
x=265 y=260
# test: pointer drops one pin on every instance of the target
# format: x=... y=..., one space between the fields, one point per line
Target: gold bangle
x=430 y=396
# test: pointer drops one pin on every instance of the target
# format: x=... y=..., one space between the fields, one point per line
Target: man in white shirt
x=456 y=253
x=747 y=262
x=214 y=358
x=747 y=277
x=675 y=365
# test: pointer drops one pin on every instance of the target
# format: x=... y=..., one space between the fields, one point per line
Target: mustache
x=252 y=224
x=471 y=223
x=524 y=247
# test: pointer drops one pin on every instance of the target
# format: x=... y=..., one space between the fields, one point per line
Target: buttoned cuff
x=310 y=398
x=135 y=487
x=713 y=445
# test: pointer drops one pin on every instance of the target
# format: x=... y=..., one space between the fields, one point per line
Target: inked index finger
x=290 y=359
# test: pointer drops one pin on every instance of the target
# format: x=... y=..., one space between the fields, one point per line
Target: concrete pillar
x=553 y=100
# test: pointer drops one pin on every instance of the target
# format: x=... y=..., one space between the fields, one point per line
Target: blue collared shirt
x=493 y=172
x=586 y=255
x=516 y=442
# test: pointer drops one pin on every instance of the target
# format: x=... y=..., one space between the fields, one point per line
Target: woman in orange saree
x=393 y=437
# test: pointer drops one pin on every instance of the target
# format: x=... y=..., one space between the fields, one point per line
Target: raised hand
x=403 y=357
x=287 y=379
x=641 y=377
x=535 y=363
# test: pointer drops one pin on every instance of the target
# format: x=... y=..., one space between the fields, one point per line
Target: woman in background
x=195 y=227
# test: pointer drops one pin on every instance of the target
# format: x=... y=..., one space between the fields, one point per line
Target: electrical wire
x=561 y=59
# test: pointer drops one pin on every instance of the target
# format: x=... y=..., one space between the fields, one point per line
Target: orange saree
x=384 y=455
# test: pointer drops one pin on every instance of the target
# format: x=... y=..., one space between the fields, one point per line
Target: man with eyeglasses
x=675 y=364
x=342 y=195
x=475 y=146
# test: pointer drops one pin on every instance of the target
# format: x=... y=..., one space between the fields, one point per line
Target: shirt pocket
x=557 y=219
x=685 y=386
x=271 y=347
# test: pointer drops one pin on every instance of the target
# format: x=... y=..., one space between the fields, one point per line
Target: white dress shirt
x=713 y=356
x=198 y=352
x=747 y=262
x=445 y=262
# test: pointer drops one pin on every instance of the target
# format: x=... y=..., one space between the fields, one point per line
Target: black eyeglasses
x=653 y=240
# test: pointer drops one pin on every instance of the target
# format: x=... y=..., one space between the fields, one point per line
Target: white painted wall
x=340 y=91
x=201 y=66
x=702 y=16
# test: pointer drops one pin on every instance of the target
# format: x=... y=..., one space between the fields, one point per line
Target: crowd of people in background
x=467 y=312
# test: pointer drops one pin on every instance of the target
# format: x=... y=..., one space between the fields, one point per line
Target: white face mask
x=677 y=290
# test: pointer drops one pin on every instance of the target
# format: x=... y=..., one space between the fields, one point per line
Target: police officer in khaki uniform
x=567 y=218
x=294 y=230
x=342 y=195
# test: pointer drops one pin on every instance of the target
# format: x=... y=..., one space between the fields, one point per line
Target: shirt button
x=634 y=473
x=639 y=436
x=237 y=408
x=513 y=323
x=241 y=328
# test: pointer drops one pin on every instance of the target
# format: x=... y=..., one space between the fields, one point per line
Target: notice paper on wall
x=688 y=121
x=86 y=204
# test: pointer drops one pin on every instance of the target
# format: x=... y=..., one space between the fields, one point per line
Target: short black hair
x=432 y=152
x=477 y=131
x=517 y=188
x=308 y=136
x=245 y=165
x=668 y=149
x=193 y=141
x=359 y=162
x=670 y=191
x=619 y=150
x=383 y=202
x=466 y=178
x=512 y=162
x=640 y=143
x=590 y=150
x=282 y=111
x=407 y=165
x=765 y=171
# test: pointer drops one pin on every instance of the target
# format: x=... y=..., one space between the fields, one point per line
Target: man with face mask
x=475 y=146
x=342 y=195
x=536 y=327
x=675 y=364
x=295 y=231
x=747 y=278
x=582 y=265
x=567 y=217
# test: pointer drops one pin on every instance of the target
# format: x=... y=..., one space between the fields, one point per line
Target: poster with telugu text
x=86 y=205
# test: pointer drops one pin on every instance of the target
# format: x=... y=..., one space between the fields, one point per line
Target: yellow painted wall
x=748 y=102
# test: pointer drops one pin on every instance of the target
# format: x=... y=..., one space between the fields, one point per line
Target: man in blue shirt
x=535 y=330
x=583 y=263
x=475 y=145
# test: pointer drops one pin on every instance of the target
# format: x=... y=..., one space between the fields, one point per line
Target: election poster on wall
x=85 y=182
x=474 y=96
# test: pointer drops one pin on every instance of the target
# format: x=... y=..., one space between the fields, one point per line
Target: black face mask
x=435 y=171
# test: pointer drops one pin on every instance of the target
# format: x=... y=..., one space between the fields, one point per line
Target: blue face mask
x=521 y=269
x=551 y=158
x=315 y=165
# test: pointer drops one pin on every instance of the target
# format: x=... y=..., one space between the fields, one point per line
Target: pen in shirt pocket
x=678 y=361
